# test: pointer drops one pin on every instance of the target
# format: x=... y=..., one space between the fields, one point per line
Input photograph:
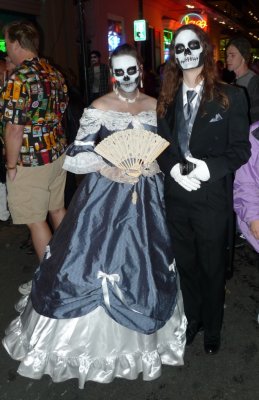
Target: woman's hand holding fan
x=131 y=151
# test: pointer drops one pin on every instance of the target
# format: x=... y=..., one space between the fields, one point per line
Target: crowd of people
x=135 y=266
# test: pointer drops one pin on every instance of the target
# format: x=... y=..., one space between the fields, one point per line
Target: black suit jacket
x=219 y=136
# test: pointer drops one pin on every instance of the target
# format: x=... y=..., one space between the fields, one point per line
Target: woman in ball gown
x=105 y=300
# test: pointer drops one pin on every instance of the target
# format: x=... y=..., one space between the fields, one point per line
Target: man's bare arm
x=13 y=143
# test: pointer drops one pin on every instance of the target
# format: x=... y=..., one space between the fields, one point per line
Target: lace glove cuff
x=118 y=175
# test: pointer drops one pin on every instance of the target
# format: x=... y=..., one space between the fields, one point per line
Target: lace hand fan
x=132 y=150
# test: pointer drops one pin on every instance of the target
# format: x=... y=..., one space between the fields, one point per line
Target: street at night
x=232 y=374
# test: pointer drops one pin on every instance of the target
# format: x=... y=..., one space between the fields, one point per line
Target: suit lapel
x=204 y=115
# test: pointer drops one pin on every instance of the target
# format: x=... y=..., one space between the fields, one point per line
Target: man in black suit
x=207 y=126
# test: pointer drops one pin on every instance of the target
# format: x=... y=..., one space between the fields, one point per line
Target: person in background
x=223 y=73
x=207 y=125
x=27 y=243
x=33 y=102
x=238 y=57
x=246 y=192
x=238 y=53
x=4 y=212
x=98 y=77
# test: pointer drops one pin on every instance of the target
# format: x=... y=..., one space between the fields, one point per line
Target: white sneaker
x=25 y=288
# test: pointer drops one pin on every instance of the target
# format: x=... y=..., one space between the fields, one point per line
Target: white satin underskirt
x=93 y=347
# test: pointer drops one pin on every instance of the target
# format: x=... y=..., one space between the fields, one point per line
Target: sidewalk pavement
x=232 y=374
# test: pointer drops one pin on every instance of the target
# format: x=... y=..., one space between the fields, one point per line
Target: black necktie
x=188 y=108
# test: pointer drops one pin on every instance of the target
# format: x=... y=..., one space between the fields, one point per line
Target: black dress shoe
x=192 y=329
x=212 y=346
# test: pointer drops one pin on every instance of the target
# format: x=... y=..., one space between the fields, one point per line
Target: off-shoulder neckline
x=121 y=112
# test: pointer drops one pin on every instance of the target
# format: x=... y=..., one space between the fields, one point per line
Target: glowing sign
x=2 y=45
x=113 y=40
x=115 y=33
x=140 y=30
x=196 y=19
x=168 y=37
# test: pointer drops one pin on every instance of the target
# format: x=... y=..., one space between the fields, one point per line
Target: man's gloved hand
x=185 y=181
x=201 y=172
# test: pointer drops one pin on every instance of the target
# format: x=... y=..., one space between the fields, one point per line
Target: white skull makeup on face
x=188 y=50
x=125 y=70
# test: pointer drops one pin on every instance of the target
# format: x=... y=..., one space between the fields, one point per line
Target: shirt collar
x=197 y=89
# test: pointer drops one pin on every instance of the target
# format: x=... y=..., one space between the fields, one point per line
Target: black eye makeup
x=118 y=72
x=194 y=44
x=130 y=71
x=179 y=48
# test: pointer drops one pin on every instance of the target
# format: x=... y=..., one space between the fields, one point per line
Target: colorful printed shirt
x=36 y=96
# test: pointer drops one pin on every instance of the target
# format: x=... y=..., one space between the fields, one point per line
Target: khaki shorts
x=35 y=191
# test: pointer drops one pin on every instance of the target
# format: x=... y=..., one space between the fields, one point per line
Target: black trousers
x=199 y=227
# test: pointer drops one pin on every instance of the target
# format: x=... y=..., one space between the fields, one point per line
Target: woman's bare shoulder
x=150 y=102
x=104 y=102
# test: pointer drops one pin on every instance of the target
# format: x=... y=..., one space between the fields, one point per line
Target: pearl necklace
x=126 y=99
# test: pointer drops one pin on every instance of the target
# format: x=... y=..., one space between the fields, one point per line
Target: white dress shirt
x=197 y=89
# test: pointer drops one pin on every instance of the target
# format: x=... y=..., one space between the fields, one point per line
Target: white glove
x=201 y=172
x=185 y=181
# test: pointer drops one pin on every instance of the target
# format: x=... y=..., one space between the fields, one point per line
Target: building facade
x=102 y=25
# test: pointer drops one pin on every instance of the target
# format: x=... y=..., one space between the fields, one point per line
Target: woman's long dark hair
x=173 y=75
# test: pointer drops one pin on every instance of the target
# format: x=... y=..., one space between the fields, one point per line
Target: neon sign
x=114 y=34
x=2 y=45
x=168 y=37
x=113 y=40
x=196 y=19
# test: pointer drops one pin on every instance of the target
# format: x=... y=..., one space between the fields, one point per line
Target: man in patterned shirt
x=32 y=105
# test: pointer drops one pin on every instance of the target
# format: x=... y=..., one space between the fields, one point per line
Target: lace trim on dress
x=92 y=120
x=84 y=163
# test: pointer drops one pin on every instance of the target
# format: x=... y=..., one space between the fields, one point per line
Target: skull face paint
x=125 y=70
x=188 y=50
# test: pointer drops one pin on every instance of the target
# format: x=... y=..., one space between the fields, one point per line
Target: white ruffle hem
x=93 y=347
